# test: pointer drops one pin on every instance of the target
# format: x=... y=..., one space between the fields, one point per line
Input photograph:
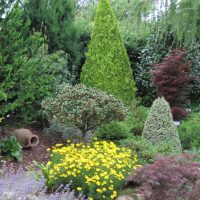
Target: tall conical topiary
x=107 y=66
x=159 y=127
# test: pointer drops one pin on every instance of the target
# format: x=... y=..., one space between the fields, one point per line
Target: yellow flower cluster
x=97 y=170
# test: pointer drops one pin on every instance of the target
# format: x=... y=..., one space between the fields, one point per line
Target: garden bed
x=39 y=153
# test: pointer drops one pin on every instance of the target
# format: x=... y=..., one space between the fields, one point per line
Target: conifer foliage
x=28 y=73
x=57 y=17
x=107 y=66
x=159 y=127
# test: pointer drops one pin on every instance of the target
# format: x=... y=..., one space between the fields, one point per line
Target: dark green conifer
x=56 y=19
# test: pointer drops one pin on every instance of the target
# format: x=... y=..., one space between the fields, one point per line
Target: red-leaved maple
x=173 y=81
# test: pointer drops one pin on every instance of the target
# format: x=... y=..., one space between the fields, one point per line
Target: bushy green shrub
x=132 y=125
x=113 y=131
x=137 y=118
x=195 y=107
x=82 y=107
x=28 y=74
x=159 y=126
x=107 y=66
x=147 y=152
x=11 y=148
x=189 y=132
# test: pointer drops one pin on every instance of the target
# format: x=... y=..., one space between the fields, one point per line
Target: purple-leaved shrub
x=168 y=178
x=21 y=185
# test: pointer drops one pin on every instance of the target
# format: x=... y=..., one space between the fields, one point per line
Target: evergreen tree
x=107 y=66
x=56 y=19
x=28 y=74
x=159 y=127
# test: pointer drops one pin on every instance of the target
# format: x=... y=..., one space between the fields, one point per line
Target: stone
x=8 y=195
x=124 y=197
x=131 y=197
x=32 y=197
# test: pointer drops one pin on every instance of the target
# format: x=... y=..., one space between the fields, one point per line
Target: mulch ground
x=38 y=153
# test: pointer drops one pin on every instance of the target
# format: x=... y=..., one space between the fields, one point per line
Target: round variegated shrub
x=82 y=107
x=159 y=127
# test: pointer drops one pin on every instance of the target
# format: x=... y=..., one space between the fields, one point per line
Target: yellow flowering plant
x=96 y=170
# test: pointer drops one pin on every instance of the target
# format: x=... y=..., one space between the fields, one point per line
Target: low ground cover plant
x=11 y=148
x=169 y=178
x=146 y=151
x=113 y=131
x=19 y=184
x=97 y=170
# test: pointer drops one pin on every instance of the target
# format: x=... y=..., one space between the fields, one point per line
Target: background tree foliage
x=150 y=29
x=5 y=6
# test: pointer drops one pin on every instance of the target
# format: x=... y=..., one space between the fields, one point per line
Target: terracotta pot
x=26 y=138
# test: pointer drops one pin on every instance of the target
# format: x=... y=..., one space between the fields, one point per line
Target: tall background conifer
x=107 y=66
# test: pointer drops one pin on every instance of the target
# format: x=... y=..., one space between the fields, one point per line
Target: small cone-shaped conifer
x=159 y=127
x=107 y=66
